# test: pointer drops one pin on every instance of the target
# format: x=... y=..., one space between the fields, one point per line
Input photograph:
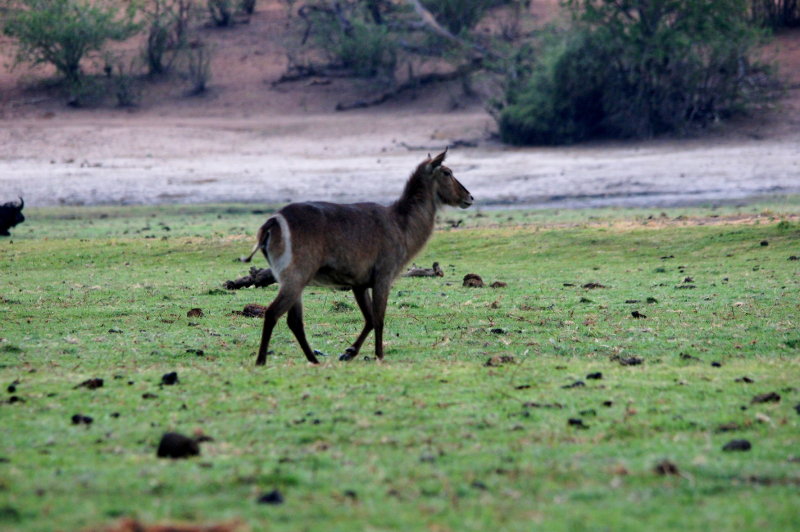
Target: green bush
x=367 y=50
x=355 y=43
x=635 y=69
x=557 y=102
x=63 y=32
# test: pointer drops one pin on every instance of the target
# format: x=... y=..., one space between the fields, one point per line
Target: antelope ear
x=439 y=159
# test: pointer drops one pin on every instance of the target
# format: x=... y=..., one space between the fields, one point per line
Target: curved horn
x=21 y=203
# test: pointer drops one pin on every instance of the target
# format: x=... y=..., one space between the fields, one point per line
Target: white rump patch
x=282 y=261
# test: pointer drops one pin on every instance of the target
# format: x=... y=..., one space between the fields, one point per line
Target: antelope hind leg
x=365 y=304
x=285 y=300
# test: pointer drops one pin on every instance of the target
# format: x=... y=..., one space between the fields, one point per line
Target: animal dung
x=595 y=376
x=498 y=284
x=273 y=497
x=770 y=397
x=195 y=313
x=473 y=280
x=628 y=361
x=170 y=378
x=80 y=419
x=174 y=445
x=577 y=423
x=737 y=445
x=434 y=271
x=499 y=360
x=254 y=310
x=91 y=384
x=665 y=467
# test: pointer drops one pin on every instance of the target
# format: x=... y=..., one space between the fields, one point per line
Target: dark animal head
x=10 y=215
x=448 y=189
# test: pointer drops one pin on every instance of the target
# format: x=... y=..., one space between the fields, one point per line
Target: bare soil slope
x=247 y=140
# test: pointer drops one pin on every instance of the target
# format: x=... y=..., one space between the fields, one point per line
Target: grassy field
x=434 y=438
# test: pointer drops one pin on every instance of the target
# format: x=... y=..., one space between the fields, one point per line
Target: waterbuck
x=360 y=246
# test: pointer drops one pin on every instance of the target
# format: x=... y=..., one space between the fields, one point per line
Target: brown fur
x=360 y=246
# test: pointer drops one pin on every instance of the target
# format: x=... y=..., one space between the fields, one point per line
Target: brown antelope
x=360 y=246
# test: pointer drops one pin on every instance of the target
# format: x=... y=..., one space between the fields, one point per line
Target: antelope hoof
x=348 y=355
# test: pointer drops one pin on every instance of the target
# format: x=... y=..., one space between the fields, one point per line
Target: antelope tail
x=262 y=237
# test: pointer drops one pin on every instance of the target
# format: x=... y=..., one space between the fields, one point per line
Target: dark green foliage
x=247 y=6
x=776 y=13
x=354 y=42
x=63 y=32
x=460 y=15
x=636 y=69
x=558 y=103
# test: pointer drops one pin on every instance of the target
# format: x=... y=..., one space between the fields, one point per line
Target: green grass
x=431 y=439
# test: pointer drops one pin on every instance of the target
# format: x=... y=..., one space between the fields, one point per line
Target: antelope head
x=448 y=189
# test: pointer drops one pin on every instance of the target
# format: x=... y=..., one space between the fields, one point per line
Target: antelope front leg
x=365 y=304
x=380 y=296
x=295 y=321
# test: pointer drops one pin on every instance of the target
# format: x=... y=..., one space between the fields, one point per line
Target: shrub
x=635 y=69
x=63 y=32
x=166 y=22
x=197 y=59
x=125 y=83
x=367 y=50
x=221 y=12
x=354 y=42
